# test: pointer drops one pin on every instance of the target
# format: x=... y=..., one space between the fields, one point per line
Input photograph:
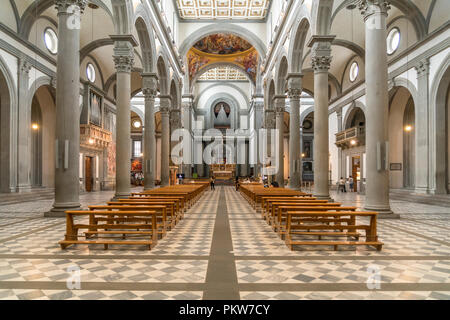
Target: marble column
x=165 y=139
x=24 y=128
x=321 y=60
x=123 y=60
x=421 y=129
x=280 y=105
x=67 y=133
x=294 y=94
x=339 y=129
x=258 y=105
x=186 y=124
x=377 y=102
x=149 y=89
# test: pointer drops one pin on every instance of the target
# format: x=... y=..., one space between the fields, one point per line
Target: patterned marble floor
x=414 y=263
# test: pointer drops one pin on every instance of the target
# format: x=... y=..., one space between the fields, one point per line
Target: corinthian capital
x=369 y=7
x=70 y=6
x=321 y=63
x=123 y=52
x=423 y=67
x=24 y=66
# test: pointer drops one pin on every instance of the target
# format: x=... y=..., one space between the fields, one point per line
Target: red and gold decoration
x=223 y=48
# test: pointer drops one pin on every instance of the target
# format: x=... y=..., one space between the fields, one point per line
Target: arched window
x=51 y=40
x=393 y=40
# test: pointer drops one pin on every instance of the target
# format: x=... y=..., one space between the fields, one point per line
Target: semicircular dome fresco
x=223 y=48
x=221 y=43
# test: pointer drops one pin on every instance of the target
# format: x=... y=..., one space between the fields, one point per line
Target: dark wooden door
x=356 y=167
x=88 y=173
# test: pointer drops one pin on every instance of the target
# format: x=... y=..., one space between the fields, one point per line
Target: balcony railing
x=353 y=137
x=93 y=137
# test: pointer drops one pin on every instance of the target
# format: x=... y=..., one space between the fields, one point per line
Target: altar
x=223 y=171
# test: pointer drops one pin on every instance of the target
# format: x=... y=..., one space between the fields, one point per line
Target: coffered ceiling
x=223 y=9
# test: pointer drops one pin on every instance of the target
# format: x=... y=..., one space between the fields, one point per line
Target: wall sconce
x=91 y=141
x=303 y=155
x=353 y=142
x=35 y=126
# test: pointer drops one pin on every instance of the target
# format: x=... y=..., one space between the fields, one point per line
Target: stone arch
x=440 y=109
x=403 y=82
x=298 y=36
x=221 y=28
x=162 y=68
x=230 y=100
x=306 y=113
x=8 y=129
x=35 y=10
x=321 y=14
x=350 y=112
x=139 y=112
x=146 y=37
x=216 y=65
x=409 y=9
x=244 y=95
x=175 y=93
x=281 y=74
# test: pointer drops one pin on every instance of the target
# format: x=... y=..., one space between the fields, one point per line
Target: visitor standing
x=351 y=183
x=212 y=182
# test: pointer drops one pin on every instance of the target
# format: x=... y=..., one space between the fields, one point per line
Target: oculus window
x=393 y=41
x=90 y=72
x=354 y=71
x=51 y=40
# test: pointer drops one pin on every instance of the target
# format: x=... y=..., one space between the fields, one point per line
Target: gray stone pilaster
x=422 y=111
x=339 y=129
x=24 y=128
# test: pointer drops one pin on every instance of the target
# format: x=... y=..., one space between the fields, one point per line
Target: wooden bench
x=160 y=210
x=147 y=221
x=279 y=221
x=299 y=224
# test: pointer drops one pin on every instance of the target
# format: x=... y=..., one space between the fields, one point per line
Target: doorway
x=88 y=176
x=356 y=172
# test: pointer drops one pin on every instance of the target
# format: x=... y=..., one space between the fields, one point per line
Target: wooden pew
x=279 y=221
x=161 y=213
x=321 y=221
x=111 y=228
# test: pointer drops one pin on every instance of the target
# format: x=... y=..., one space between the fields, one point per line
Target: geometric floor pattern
x=414 y=262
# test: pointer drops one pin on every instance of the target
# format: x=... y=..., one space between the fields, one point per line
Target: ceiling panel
x=223 y=9
x=223 y=74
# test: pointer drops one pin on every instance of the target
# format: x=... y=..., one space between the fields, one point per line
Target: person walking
x=342 y=185
x=351 y=183
x=211 y=182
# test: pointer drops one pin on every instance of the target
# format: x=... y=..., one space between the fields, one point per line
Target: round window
x=51 y=40
x=90 y=72
x=137 y=124
x=393 y=40
x=354 y=71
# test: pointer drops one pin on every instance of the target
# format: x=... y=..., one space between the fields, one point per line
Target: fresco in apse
x=221 y=43
x=223 y=49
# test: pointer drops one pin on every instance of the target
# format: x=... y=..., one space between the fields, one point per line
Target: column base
x=323 y=197
x=59 y=209
x=23 y=189
x=384 y=213
x=422 y=190
x=118 y=196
